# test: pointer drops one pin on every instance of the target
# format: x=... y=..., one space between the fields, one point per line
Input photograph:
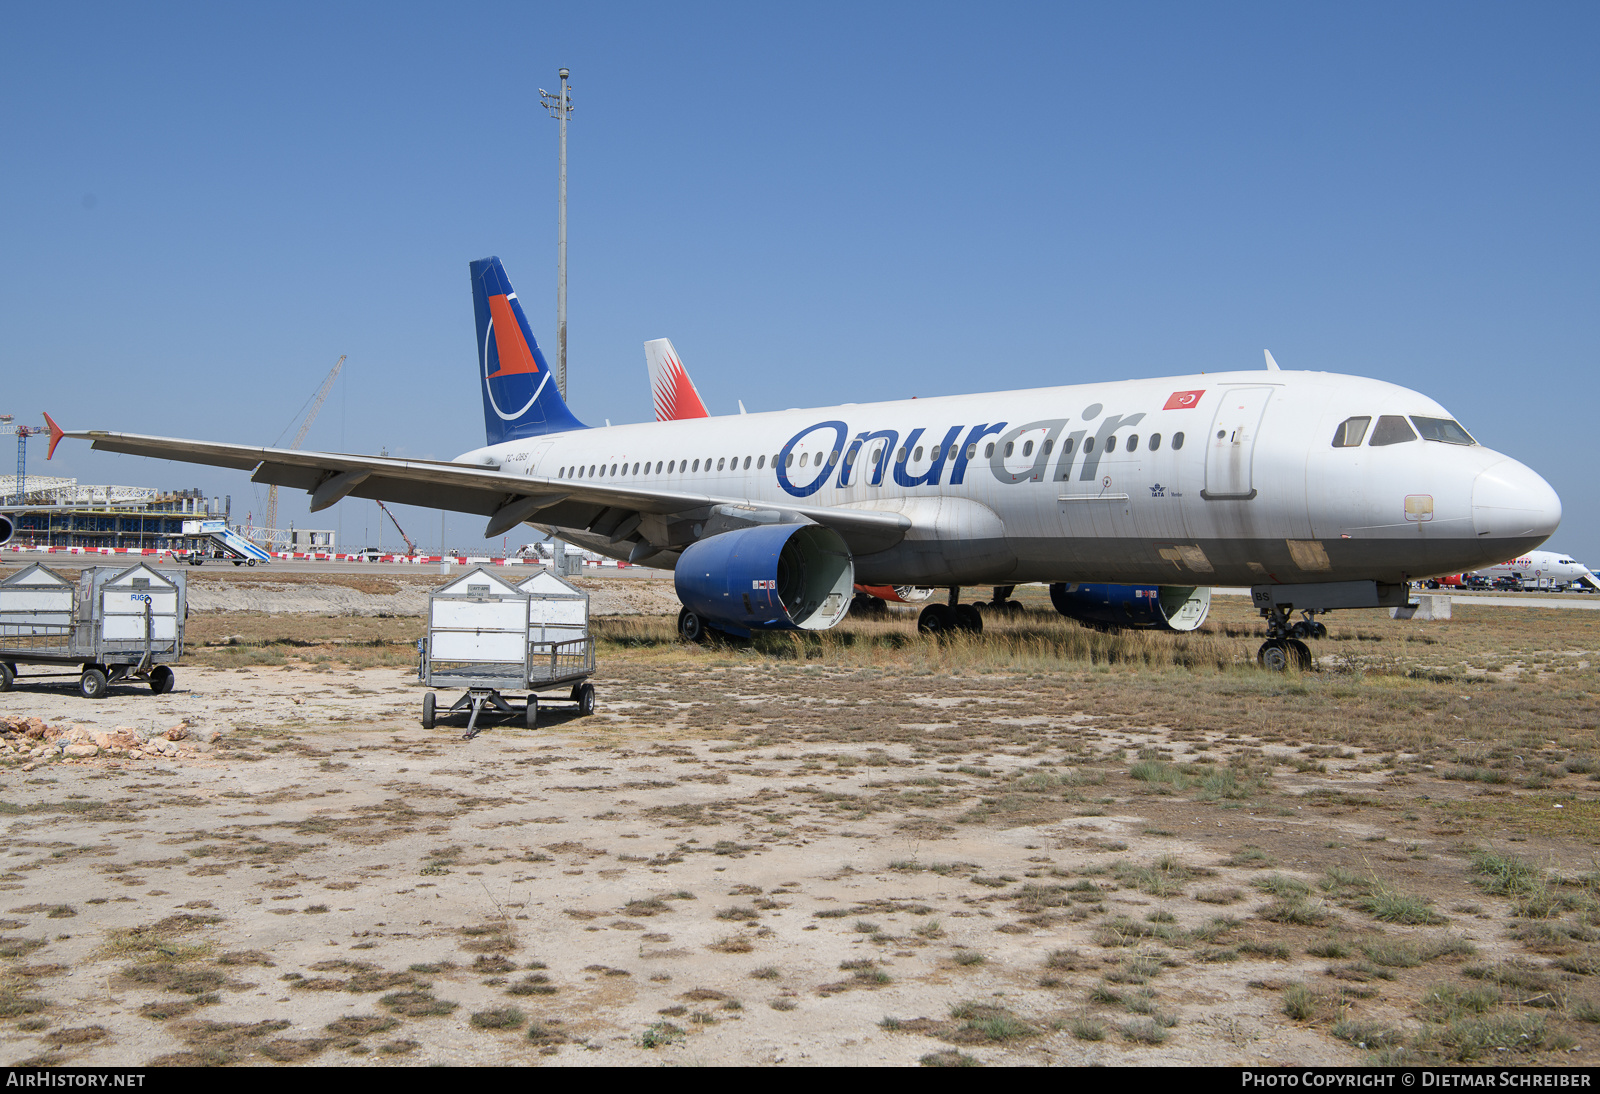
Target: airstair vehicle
x=241 y=550
x=114 y=625
x=490 y=636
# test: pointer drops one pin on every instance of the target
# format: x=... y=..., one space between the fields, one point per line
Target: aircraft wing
x=506 y=498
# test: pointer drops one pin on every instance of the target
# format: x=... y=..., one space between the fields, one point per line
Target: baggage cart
x=114 y=625
x=491 y=636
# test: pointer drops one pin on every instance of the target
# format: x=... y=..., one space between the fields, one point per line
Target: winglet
x=1272 y=366
x=56 y=433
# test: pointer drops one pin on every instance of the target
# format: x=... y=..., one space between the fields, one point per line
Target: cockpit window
x=1351 y=432
x=1391 y=429
x=1442 y=429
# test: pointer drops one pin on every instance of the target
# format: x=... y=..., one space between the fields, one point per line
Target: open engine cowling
x=1169 y=607
x=771 y=577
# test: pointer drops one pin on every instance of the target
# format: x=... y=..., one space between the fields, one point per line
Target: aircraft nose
x=1513 y=501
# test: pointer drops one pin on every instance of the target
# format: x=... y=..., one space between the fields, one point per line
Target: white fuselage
x=1071 y=483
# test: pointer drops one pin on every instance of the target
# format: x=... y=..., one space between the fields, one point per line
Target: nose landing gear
x=1285 y=645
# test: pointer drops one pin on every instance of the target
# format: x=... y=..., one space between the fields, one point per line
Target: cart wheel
x=7 y=676
x=161 y=679
x=427 y=711
x=93 y=682
x=252 y=562
x=585 y=699
x=531 y=717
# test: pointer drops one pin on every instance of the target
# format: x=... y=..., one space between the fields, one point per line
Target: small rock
x=207 y=736
x=178 y=732
x=82 y=748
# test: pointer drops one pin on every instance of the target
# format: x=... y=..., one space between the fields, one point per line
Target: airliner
x=1133 y=497
x=1543 y=570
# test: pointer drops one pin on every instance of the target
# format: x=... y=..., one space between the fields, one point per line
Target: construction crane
x=411 y=548
x=8 y=424
x=316 y=405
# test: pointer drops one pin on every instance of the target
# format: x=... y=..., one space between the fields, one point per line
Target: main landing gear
x=949 y=618
x=1285 y=645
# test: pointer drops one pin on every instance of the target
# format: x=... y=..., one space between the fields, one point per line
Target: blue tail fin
x=519 y=399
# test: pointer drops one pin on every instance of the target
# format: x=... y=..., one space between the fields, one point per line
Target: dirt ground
x=879 y=851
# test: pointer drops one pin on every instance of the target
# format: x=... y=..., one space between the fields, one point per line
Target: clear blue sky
x=204 y=206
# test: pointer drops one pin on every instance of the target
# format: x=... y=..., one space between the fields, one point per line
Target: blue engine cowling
x=772 y=577
x=1170 y=607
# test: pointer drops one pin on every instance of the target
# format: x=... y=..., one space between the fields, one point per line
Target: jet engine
x=1169 y=607
x=767 y=577
x=7 y=527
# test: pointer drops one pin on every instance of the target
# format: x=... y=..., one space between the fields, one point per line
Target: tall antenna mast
x=560 y=106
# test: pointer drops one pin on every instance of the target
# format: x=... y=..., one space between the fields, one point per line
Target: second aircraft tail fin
x=674 y=393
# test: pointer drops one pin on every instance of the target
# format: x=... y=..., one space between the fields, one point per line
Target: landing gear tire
x=691 y=628
x=585 y=700
x=93 y=682
x=968 y=619
x=530 y=717
x=161 y=679
x=1281 y=654
x=936 y=619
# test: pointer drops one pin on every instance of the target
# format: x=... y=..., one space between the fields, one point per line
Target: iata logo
x=509 y=364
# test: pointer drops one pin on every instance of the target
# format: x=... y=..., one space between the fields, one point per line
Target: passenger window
x=1351 y=432
x=972 y=451
x=1027 y=448
x=1442 y=429
x=1048 y=445
x=804 y=456
x=1111 y=444
x=1391 y=429
x=1133 y=443
x=720 y=464
x=988 y=450
x=562 y=474
x=1154 y=442
x=635 y=469
x=697 y=465
x=591 y=470
x=833 y=457
x=1066 y=447
x=917 y=455
x=1177 y=441
x=1088 y=444
x=1009 y=448
x=790 y=461
x=900 y=456
x=747 y=463
x=761 y=461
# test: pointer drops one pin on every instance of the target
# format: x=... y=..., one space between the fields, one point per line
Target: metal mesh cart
x=490 y=636
x=114 y=625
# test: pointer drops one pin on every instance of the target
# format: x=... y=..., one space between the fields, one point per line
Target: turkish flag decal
x=1184 y=400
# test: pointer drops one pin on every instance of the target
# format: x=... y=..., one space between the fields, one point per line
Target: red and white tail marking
x=675 y=395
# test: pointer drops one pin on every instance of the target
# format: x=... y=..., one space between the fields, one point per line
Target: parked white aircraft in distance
x=1131 y=498
x=1543 y=570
